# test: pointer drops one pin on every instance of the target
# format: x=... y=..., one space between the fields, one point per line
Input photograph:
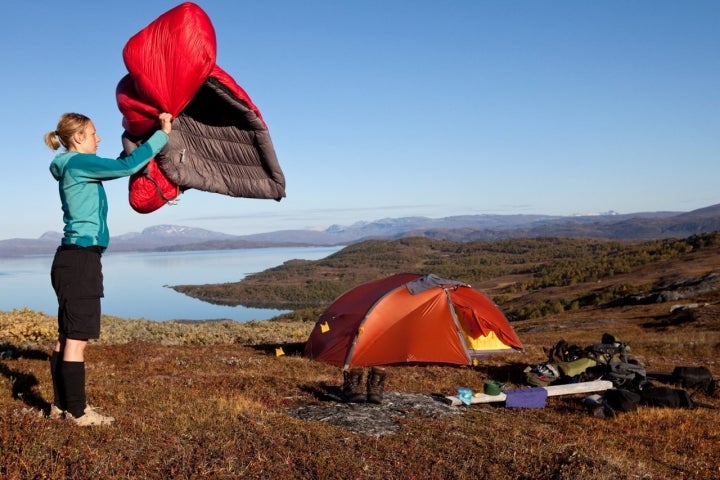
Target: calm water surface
x=136 y=283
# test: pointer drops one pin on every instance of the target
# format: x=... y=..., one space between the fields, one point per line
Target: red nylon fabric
x=167 y=62
x=150 y=189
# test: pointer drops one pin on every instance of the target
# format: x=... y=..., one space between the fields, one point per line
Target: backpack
x=628 y=375
x=578 y=371
x=575 y=367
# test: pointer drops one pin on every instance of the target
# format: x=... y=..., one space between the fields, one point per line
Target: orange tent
x=410 y=318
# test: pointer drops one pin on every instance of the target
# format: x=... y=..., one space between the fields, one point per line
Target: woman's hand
x=165 y=125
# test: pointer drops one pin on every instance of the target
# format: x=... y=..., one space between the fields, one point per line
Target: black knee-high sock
x=73 y=387
x=55 y=374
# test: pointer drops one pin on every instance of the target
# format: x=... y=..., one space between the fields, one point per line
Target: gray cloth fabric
x=219 y=144
x=429 y=281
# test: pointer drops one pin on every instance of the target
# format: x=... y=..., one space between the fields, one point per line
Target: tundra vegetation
x=221 y=399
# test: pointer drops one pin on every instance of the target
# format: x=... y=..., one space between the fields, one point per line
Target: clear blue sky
x=390 y=108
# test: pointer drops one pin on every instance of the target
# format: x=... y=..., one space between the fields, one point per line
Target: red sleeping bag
x=219 y=142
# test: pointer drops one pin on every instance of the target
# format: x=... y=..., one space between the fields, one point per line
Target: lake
x=136 y=284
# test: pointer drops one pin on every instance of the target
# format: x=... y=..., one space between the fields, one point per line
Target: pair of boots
x=353 y=385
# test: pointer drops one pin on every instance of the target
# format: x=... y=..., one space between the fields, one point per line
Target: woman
x=76 y=271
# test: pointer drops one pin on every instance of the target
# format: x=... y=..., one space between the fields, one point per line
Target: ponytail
x=51 y=140
x=68 y=125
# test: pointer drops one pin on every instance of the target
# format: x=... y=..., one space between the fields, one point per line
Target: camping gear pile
x=412 y=318
x=632 y=385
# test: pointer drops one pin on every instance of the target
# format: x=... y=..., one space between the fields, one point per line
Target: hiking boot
x=375 y=385
x=56 y=413
x=89 y=418
x=352 y=390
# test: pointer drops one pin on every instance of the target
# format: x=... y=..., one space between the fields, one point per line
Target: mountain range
x=462 y=228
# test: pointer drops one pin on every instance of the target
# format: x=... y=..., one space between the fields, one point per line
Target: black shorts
x=77 y=278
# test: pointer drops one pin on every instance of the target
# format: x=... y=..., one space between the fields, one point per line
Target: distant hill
x=611 y=225
x=175 y=237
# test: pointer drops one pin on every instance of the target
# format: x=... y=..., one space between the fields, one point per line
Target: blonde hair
x=68 y=125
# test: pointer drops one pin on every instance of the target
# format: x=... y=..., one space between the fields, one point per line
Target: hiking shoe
x=56 y=413
x=376 y=385
x=352 y=386
x=90 y=418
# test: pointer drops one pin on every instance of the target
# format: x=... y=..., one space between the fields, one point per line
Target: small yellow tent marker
x=279 y=352
x=324 y=327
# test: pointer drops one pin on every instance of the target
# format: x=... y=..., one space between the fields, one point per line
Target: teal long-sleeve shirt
x=83 y=198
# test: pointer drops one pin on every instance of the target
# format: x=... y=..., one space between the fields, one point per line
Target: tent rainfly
x=410 y=318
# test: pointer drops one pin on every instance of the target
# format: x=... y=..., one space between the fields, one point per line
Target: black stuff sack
x=621 y=400
x=694 y=378
x=666 y=397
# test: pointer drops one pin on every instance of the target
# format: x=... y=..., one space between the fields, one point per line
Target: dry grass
x=215 y=401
